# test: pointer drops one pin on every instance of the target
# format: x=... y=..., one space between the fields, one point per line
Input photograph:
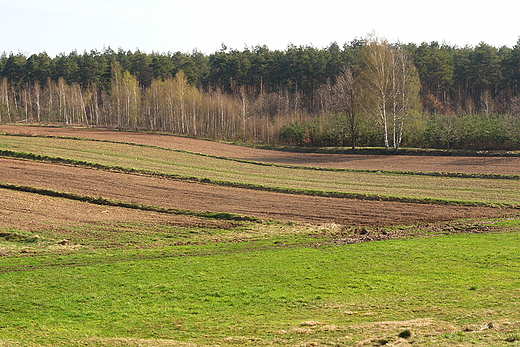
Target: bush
x=292 y=134
x=469 y=131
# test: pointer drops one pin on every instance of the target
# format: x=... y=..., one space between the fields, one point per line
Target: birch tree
x=116 y=94
x=405 y=93
x=37 y=94
x=131 y=100
x=181 y=87
x=387 y=88
x=62 y=101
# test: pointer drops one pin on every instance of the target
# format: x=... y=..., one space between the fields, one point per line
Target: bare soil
x=33 y=213
x=485 y=165
x=200 y=197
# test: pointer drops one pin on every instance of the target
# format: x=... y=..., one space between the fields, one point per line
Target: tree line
x=438 y=95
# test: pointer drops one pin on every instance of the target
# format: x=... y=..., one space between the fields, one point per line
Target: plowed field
x=486 y=165
x=201 y=197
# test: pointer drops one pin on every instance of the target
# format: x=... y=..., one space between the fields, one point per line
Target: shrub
x=292 y=134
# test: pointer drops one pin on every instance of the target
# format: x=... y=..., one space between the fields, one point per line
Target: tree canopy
x=257 y=85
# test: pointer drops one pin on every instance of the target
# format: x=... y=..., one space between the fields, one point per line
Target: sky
x=62 y=26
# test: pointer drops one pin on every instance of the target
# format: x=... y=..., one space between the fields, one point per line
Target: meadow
x=74 y=273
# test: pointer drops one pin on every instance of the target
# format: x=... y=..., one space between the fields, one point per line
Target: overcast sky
x=61 y=26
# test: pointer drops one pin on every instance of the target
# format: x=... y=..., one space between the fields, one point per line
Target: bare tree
x=405 y=92
x=131 y=100
x=343 y=103
x=37 y=93
x=116 y=94
x=4 y=98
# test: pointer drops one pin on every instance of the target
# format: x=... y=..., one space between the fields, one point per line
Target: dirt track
x=490 y=165
x=199 y=197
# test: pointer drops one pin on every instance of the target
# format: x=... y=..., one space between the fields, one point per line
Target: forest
x=367 y=92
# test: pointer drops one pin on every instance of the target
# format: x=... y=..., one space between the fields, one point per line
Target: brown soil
x=200 y=197
x=34 y=213
x=486 y=165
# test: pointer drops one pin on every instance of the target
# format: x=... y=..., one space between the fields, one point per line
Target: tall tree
x=388 y=88
x=342 y=103
x=5 y=107
x=141 y=68
x=15 y=69
x=463 y=89
x=90 y=69
x=435 y=67
x=161 y=66
x=484 y=74
x=66 y=67
x=132 y=100
x=117 y=94
x=510 y=72
x=39 y=68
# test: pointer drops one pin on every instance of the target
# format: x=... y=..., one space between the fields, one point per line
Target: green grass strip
x=124 y=204
x=251 y=186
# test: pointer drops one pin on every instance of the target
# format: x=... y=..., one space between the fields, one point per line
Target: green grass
x=268 y=295
x=296 y=180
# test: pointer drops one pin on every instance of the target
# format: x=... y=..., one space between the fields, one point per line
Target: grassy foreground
x=292 y=290
x=143 y=278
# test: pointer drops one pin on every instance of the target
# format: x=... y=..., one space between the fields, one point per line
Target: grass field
x=443 y=289
x=77 y=274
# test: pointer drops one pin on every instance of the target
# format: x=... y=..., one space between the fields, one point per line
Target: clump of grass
x=405 y=334
x=15 y=236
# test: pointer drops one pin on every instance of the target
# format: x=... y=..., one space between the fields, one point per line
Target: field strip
x=124 y=204
x=8 y=153
x=263 y=187
x=151 y=255
x=251 y=186
x=138 y=257
x=489 y=162
x=159 y=162
x=186 y=195
x=451 y=228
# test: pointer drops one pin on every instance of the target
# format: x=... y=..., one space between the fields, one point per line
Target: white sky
x=61 y=26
